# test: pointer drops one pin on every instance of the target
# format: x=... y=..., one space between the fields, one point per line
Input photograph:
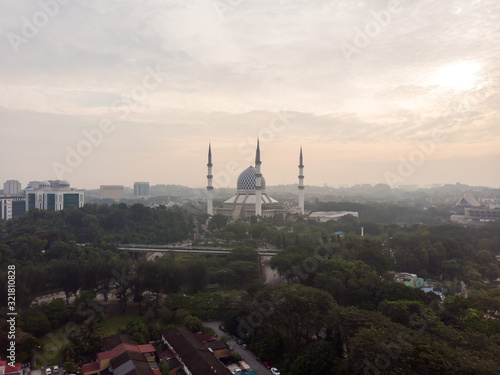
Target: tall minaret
x=301 y=183
x=210 y=188
x=258 y=183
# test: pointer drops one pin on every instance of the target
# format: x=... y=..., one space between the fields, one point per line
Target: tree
x=317 y=359
x=196 y=275
x=193 y=323
x=217 y=222
x=267 y=344
x=68 y=276
x=27 y=349
x=68 y=353
x=69 y=367
x=138 y=330
x=35 y=321
x=306 y=309
x=90 y=335
x=56 y=311
x=451 y=269
x=86 y=307
x=164 y=369
x=225 y=337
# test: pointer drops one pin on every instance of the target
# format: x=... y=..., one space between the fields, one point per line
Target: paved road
x=248 y=356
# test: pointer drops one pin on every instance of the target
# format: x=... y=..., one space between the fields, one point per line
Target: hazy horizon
x=395 y=92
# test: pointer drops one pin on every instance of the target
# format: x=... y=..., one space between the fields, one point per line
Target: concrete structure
x=11 y=187
x=12 y=206
x=324 y=216
x=258 y=183
x=210 y=188
x=468 y=200
x=409 y=279
x=112 y=192
x=44 y=197
x=251 y=198
x=54 y=184
x=141 y=189
x=301 y=183
x=482 y=214
x=35 y=184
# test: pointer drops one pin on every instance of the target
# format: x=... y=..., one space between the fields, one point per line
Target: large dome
x=246 y=181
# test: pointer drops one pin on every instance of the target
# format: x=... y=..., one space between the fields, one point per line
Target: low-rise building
x=409 y=279
x=324 y=216
x=123 y=355
x=112 y=192
x=195 y=357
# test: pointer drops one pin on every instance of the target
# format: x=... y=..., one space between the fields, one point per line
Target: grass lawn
x=52 y=342
x=112 y=323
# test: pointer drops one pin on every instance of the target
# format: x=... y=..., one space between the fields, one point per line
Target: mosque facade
x=251 y=198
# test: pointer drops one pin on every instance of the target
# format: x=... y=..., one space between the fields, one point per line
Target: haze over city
x=137 y=90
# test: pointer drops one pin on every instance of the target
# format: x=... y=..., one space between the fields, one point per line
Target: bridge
x=190 y=249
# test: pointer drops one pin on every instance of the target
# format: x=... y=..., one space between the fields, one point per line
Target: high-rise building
x=11 y=187
x=112 y=192
x=210 y=188
x=141 y=189
x=12 y=206
x=60 y=197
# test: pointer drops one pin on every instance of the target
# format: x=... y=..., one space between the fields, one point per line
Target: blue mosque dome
x=246 y=181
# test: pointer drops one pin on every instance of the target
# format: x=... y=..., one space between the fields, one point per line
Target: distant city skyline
x=110 y=93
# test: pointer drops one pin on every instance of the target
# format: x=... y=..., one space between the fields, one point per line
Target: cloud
x=228 y=73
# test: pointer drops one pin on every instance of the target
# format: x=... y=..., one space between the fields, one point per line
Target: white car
x=275 y=371
x=48 y=371
x=55 y=369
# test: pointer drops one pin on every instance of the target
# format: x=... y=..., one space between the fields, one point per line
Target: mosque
x=251 y=198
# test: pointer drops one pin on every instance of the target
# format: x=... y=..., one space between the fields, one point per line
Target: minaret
x=210 y=188
x=258 y=183
x=301 y=183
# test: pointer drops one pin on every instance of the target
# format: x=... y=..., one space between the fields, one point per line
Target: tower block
x=301 y=183
x=210 y=188
x=258 y=183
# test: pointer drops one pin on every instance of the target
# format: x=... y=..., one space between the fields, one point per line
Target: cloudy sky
x=112 y=92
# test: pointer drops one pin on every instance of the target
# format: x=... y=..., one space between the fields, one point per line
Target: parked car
x=48 y=371
x=55 y=369
x=265 y=363
x=258 y=359
x=221 y=327
x=244 y=346
x=275 y=371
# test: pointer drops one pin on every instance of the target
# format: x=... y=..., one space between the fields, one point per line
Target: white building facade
x=251 y=198
x=54 y=199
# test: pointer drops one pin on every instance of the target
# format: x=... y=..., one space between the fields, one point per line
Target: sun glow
x=458 y=76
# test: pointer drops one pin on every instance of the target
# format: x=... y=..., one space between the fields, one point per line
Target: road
x=248 y=356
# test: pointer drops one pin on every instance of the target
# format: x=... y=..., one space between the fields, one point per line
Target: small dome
x=246 y=180
x=43 y=184
x=63 y=183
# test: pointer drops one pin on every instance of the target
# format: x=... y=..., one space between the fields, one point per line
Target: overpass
x=190 y=249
